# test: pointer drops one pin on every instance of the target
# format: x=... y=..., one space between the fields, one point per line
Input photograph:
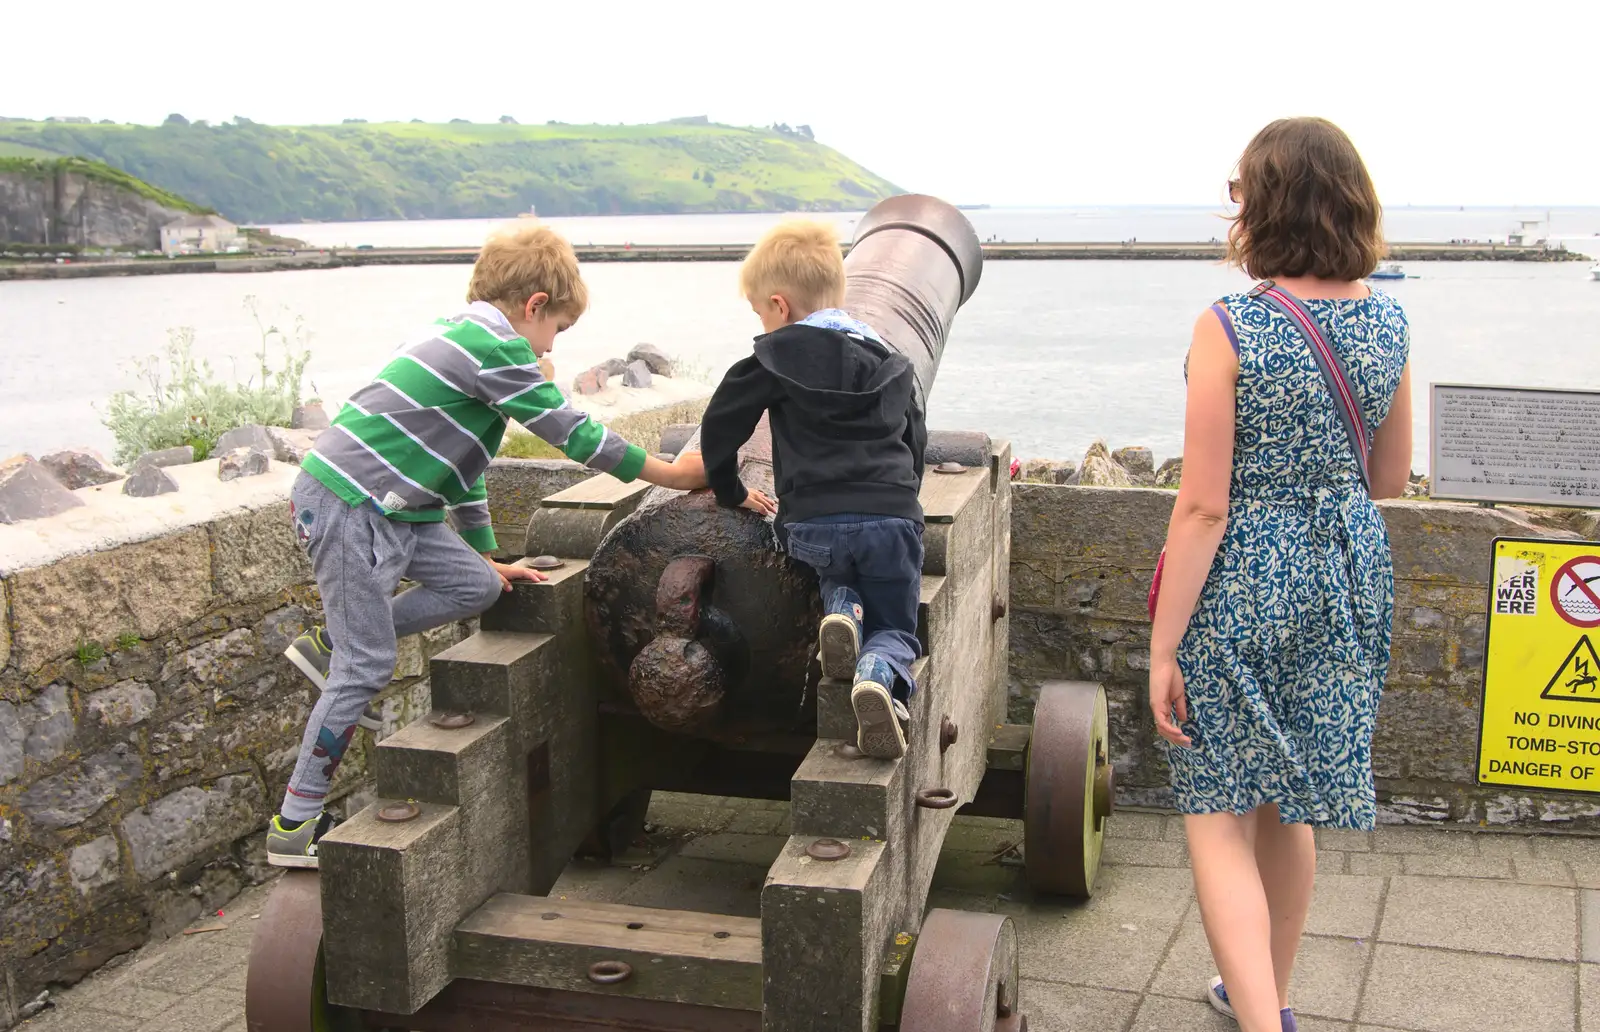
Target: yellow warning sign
x=1541 y=672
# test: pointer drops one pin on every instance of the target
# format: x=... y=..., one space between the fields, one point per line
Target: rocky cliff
x=69 y=204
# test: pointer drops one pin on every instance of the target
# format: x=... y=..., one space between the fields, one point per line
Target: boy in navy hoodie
x=847 y=443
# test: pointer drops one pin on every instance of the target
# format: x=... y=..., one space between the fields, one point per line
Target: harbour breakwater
x=26 y=263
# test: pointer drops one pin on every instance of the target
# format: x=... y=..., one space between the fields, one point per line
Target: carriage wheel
x=1070 y=790
x=285 y=990
x=964 y=975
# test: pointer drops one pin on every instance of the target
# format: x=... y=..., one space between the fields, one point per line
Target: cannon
x=672 y=649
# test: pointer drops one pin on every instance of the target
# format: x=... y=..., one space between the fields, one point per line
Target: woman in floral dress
x=1272 y=626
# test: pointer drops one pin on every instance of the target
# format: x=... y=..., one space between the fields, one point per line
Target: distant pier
x=336 y=258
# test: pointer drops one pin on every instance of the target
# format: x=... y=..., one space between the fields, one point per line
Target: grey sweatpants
x=359 y=557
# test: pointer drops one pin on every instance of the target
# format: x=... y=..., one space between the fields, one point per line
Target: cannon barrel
x=694 y=612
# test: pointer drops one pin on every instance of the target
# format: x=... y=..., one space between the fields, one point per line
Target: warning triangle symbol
x=1578 y=680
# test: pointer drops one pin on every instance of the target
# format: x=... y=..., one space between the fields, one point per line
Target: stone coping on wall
x=109 y=519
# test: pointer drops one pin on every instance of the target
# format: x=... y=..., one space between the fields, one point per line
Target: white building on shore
x=194 y=234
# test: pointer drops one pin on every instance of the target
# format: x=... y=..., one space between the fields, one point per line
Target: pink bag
x=1155 y=583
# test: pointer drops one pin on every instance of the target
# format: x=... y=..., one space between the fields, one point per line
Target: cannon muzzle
x=695 y=613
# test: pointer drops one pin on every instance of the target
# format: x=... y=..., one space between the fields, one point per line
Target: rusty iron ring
x=451 y=721
x=936 y=798
x=828 y=849
x=950 y=468
x=399 y=813
x=546 y=562
x=610 y=972
x=963 y=975
x=949 y=733
x=1069 y=789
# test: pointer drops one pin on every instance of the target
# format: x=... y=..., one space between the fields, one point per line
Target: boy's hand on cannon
x=508 y=573
x=758 y=502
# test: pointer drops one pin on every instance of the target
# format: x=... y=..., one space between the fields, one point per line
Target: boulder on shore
x=636 y=375
x=591 y=381
x=149 y=481
x=243 y=462
x=1139 y=462
x=309 y=417
x=29 y=492
x=1099 y=469
x=182 y=455
x=653 y=357
x=1048 y=471
x=80 y=468
x=251 y=435
x=291 y=445
x=1170 y=473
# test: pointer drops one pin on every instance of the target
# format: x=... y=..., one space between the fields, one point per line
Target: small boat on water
x=531 y=213
x=1594 y=271
x=1388 y=271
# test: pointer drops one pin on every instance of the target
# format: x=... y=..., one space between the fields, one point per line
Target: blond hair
x=799 y=259
x=521 y=261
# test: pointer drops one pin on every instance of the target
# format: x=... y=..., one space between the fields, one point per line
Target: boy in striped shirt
x=407 y=451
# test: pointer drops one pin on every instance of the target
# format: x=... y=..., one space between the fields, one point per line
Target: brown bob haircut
x=1306 y=205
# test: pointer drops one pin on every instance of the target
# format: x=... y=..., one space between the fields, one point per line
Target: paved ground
x=1413 y=929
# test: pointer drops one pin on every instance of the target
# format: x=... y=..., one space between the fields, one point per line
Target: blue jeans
x=880 y=559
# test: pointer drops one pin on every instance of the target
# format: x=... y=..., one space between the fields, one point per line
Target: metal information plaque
x=1515 y=444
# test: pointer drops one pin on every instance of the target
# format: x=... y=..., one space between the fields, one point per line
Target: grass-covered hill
x=407 y=170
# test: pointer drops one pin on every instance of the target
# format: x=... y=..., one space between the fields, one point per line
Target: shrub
x=187 y=404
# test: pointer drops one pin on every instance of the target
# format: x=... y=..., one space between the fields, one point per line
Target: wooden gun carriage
x=672 y=649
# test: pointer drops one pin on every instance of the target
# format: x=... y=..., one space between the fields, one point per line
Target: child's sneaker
x=296 y=846
x=1217 y=996
x=839 y=637
x=312 y=655
x=878 y=713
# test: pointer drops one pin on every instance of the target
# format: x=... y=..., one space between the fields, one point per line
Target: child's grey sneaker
x=296 y=847
x=312 y=655
x=839 y=637
x=878 y=713
x=1217 y=996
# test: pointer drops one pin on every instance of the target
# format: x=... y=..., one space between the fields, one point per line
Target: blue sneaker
x=839 y=637
x=1217 y=996
x=878 y=713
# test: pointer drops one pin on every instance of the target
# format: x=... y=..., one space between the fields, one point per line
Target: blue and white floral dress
x=1285 y=656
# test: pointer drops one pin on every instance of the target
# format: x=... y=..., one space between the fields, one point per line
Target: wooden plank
x=497 y=1007
x=1008 y=746
x=602 y=492
x=944 y=495
x=677 y=956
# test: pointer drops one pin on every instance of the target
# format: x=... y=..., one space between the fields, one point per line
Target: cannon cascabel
x=693 y=610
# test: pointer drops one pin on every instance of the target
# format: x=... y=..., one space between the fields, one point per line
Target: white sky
x=997 y=102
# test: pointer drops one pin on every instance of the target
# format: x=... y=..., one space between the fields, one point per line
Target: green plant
x=519 y=444
x=89 y=652
x=128 y=640
x=187 y=404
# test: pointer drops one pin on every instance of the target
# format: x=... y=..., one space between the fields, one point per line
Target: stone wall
x=148 y=721
x=1081 y=563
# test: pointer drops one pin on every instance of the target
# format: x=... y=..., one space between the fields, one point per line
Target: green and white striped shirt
x=415 y=441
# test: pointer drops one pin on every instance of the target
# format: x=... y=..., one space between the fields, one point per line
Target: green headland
x=413 y=170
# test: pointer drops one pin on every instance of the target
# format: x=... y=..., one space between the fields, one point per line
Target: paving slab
x=1536 y=871
x=1073 y=1008
x=1327 y=980
x=1115 y=940
x=734 y=848
x=203 y=1012
x=1457 y=866
x=1345 y=904
x=1589 y=909
x=1376 y=864
x=1482 y=916
x=1444 y=991
x=709 y=886
x=1390 y=838
x=1145 y=853
x=1589 y=997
